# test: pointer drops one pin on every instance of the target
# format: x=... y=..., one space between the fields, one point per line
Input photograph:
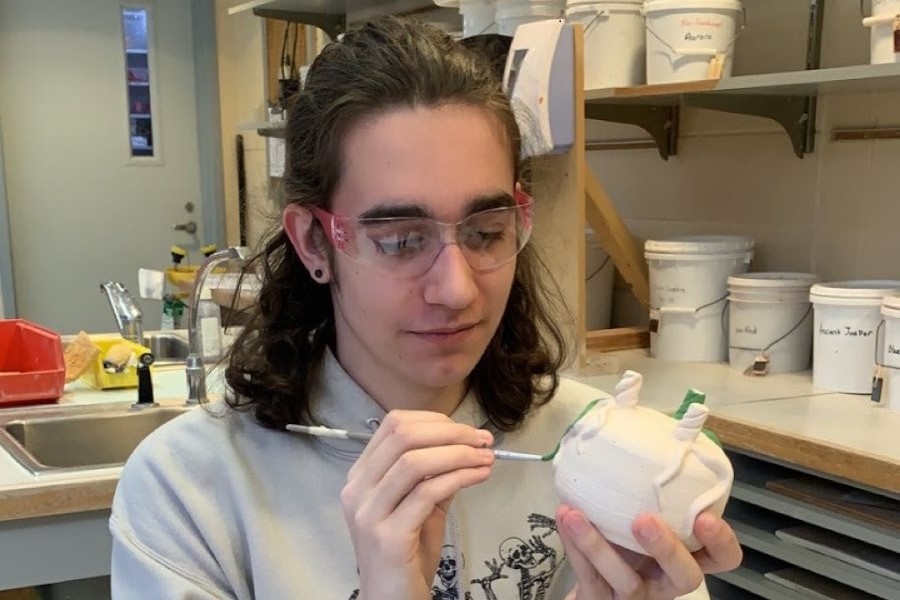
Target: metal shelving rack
x=788 y=98
x=332 y=16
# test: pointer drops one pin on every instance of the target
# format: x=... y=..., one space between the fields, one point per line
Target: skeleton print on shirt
x=447 y=579
x=527 y=562
x=523 y=568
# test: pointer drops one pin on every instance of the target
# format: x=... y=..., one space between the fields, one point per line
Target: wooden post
x=616 y=239
x=558 y=189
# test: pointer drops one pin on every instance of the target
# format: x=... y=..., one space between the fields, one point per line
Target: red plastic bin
x=32 y=369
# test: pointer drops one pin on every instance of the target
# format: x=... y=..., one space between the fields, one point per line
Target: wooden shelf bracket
x=622 y=247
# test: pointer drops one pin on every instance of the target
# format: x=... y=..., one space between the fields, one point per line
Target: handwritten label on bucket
x=702 y=22
x=749 y=329
x=845 y=331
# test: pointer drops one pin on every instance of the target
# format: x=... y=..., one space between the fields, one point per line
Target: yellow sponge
x=79 y=355
x=118 y=356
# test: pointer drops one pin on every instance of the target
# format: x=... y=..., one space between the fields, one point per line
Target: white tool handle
x=676 y=310
x=697 y=51
x=879 y=20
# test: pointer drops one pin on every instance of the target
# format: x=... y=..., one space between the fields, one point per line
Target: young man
x=399 y=297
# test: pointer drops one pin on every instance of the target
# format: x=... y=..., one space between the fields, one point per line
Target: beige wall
x=835 y=212
x=242 y=100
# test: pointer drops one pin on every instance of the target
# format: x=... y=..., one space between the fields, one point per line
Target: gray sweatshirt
x=215 y=506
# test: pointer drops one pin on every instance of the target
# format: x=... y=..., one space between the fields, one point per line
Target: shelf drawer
x=883 y=530
x=773 y=579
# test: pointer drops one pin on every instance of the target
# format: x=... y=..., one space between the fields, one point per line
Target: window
x=136 y=32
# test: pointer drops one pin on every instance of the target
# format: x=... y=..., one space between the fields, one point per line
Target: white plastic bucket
x=881 y=25
x=845 y=329
x=770 y=314
x=512 y=13
x=685 y=37
x=479 y=16
x=688 y=293
x=890 y=310
x=614 y=41
x=599 y=279
x=891 y=395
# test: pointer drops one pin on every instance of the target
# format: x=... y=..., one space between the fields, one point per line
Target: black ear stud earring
x=318 y=274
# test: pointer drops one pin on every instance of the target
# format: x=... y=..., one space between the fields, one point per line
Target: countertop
x=23 y=495
x=783 y=416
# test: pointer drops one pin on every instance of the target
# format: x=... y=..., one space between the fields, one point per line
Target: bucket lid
x=891 y=301
x=773 y=281
x=657 y=5
x=700 y=244
x=863 y=289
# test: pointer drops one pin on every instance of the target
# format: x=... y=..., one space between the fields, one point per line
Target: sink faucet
x=126 y=310
x=196 y=374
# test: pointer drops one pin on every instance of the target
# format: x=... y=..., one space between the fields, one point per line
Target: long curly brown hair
x=275 y=363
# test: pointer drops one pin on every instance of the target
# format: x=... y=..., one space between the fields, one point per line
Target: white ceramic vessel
x=620 y=459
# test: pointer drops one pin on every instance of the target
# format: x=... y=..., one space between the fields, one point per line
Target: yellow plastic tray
x=97 y=376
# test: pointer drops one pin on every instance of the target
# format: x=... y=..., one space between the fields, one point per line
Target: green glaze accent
x=584 y=411
x=695 y=397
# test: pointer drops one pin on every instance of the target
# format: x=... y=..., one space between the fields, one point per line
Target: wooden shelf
x=839 y=80
x=621 y=338
x=754 y=531
x=799 y=543
x=756 y=584
x=823 y=518
x=787 y=98
x=264 y=128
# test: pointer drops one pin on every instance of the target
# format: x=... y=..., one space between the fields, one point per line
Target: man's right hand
x=397 y=496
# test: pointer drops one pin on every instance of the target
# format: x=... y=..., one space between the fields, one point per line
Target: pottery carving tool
x=342 y=434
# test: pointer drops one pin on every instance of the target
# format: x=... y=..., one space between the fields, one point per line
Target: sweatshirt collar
x=340 y=403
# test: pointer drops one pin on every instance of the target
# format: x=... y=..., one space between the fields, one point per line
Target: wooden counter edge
x=837 y=461
x=56 y=499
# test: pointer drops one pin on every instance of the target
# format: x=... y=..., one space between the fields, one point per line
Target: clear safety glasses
x=408 y=246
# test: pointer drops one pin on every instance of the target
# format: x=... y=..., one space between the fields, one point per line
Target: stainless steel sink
x=167 y=348
x=57 y=439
